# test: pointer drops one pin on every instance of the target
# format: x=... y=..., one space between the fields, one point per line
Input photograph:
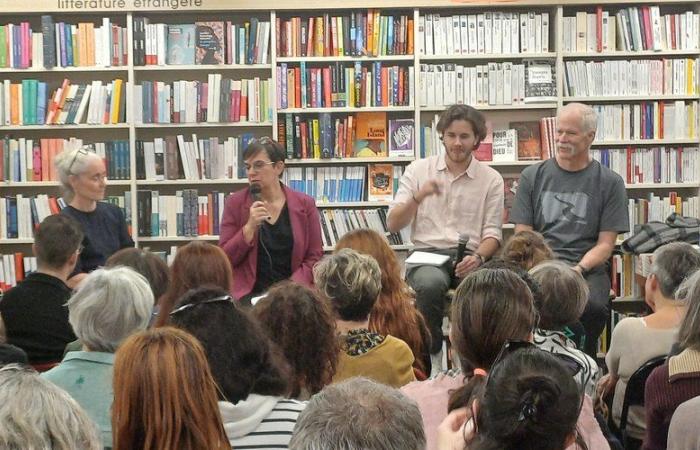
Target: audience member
x=352 y=283
x=250 y=374
x=33 y=313
x=683 y=432
x=9 y=354
x=527 y=249
x=196 y=264
x=110 y=305
x=529 y=401
x=395 y=312
x=636 y=340
x=490 y=308
x=303 y=327
x=164 y=394
x=678 y=379
x=359 y=414
x=146 y=263
x=564 y=294
x=35 y=414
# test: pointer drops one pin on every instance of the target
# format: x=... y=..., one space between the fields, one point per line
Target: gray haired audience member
x=352 y=282
x=359 y=414
x=683 y=432
x=636 y=340
x=35 y=414
x=562 y=299
x=110 y=305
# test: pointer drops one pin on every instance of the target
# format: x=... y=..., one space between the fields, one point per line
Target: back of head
x=36 y=414
x=564 y=294
x=530 y=402
x=196 y=264
x=241 y=357
x=359 y=414
x=57 y=238
x=673 y=263
x=527 y=249
x=164 y=394
x=109 y=305
x=351 y=281
x=148 y=264
x=10 y=354
x=302 y=325
x=689 y=294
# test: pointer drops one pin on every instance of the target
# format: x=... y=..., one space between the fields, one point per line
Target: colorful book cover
x=484 y=152
x=381 y=184
x=370 y=135
x=181 y=44
x=401 y=141
x=529 y=140
x=510 y=188
x=210 y=43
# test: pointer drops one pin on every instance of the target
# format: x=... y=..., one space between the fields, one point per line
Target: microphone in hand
x=256 y=192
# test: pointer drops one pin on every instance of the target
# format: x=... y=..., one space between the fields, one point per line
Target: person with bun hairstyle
x=83 y=178
x=269 y=232
x=527 y=249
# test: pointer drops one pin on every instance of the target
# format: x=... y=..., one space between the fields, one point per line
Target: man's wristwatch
x=582 y=269
x=482 y=260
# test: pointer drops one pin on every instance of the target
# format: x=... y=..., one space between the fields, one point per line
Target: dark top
x=275 y=252
x=36 y=318
x=105 y=231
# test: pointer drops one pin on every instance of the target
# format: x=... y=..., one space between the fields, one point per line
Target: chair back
x=634 y=393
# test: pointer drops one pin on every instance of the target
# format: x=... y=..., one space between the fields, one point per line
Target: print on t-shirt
x=564 y=207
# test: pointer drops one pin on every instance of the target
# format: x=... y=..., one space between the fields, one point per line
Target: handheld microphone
x=256 y=192
x=461 y=247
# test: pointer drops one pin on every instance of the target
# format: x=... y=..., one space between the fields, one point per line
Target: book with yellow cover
x=380 y=186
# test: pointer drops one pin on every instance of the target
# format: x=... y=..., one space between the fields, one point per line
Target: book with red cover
x=529 y=140
x=484 y=152
x=510 y=188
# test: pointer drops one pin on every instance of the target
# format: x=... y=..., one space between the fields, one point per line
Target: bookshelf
x=550 y=48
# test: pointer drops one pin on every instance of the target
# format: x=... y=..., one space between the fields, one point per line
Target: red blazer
x=306 y=228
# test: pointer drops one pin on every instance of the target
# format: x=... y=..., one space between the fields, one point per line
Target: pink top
x=306 y=227
x=471 y=203
x=432 y=395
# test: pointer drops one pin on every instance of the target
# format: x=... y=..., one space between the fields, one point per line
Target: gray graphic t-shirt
x=571 y=208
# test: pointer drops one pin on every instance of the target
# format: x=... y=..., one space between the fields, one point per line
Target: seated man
x=447 y=198
x=359 y=413
x=33 y=313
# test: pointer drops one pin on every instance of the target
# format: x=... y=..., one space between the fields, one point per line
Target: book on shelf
x=401 y=138
x=359 y=33
x=657 y=208
x=218 y=100
x=489 y=32
x=380 y=185
x=631 y=77
x=370 y=135
x=540 y=82
x=529 y=140
x=187 y=213
x=204 y=42
x=63 y=44
x=14 y=267
x=647 y=120
x=646 y=165
x=484 y=152
x=505 y=145
x=336 y=222
x=331 y=184
x=630 y=29
x=336 y=85
x=510 y=188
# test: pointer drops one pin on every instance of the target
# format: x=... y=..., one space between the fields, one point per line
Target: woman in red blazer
x=269 y=232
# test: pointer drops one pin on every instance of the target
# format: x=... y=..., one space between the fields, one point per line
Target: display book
x=685 y=144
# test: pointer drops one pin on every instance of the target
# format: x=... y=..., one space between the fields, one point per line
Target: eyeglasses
x=224 y=298
x=81 y=151
x=257 y=166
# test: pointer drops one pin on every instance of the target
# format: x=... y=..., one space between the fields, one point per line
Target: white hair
x=110 y=305
x=36 y=414
x=73 y=162
x=589 y=118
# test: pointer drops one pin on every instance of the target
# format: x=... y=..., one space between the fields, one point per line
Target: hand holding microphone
x=258 y=210
x=465 y=264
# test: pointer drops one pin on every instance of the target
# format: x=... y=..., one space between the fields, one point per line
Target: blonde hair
x=72 y=162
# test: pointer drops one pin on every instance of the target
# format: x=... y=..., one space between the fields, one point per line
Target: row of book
x=642 y=165
x=187 y=213
x=647 y=120
x=24 y=159
x=356 y=34
x=218 y=100
x=14 y=267
x=658 y=208
x=492 y=32
x=633 y=77
x=487 y=84
x=335 y=223
x=63 y=44
x=339 y=86
x=328 y=184
x=27 y=103
x=635 y=28
x=177 y=158
x=211 y=42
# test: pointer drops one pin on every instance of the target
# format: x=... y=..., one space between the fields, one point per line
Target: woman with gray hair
x=110 y=305
x=351 y=282
x=35 y=414
x=84 y=179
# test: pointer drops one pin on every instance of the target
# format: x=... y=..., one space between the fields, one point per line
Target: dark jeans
x=431 y=284
x=597 y=312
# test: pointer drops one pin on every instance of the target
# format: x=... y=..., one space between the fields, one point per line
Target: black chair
x=634 y=393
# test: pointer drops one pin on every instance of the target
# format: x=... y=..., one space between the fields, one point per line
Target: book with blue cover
x=181 y=44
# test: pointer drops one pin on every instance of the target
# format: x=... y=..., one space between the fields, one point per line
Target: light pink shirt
x=470 y=204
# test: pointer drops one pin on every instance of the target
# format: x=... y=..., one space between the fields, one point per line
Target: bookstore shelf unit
x=550 y=49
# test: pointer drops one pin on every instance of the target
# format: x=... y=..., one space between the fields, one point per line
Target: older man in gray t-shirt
x=579 y=206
